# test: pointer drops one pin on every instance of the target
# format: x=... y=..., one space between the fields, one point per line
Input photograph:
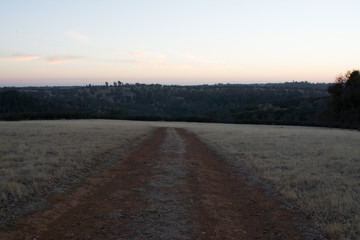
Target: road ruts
x=227 y=208
x=171 y=186
x=165 y=215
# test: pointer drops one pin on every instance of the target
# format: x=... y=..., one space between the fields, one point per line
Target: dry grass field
x=36 y=156
x=316 y=168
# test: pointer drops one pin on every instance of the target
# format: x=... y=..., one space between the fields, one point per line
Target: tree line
x=300 y=103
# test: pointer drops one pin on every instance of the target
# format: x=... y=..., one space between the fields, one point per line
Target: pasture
x=41 y=156
x=317 y=169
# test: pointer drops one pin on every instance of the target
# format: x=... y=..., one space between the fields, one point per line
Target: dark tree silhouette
x=345 y=99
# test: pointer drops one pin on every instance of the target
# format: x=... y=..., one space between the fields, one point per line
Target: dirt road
x=171 y=186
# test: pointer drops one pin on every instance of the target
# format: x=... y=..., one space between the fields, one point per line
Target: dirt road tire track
x=93 y=210
x=227 y=207
x=171 y=186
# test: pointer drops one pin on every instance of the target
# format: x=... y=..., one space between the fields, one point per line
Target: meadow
x=316 y=169
x=41 y=156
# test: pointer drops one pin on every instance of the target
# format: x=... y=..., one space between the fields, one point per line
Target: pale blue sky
x=78 y=42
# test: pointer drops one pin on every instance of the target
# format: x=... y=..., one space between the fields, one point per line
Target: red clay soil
x=228 y=207
x=214 y=200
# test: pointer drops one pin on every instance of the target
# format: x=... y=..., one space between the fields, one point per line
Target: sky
x=80 y=42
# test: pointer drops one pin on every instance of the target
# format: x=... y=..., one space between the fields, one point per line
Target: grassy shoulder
x=317 y=168
x=38 y=156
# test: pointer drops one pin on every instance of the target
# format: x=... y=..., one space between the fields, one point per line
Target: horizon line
x=162 y=84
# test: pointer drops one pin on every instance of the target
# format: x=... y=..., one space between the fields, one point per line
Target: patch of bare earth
x=171 y=186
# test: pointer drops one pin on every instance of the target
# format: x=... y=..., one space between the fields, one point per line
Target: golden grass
x=36 y=156
x=317 y=168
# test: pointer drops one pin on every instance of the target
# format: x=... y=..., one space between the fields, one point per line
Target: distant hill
x=219 y=102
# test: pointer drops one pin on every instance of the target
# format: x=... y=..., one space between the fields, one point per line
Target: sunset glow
x=176 y=42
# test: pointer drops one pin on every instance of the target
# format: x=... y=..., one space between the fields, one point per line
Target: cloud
x=77 y=36
x=61 y=59
x=147 y=58
x=20 y=58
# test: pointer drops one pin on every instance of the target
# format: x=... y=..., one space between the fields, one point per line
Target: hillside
x=141 y=101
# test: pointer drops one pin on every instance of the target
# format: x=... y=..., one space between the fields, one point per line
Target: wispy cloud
x=148 y=58
x=77 y=36
x=61 y=59
x=20 y=58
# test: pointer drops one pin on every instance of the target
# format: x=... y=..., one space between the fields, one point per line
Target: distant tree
x=106 y=84
x=345 y=98
x=116 y=113
x=15 y=101
x=115 y=84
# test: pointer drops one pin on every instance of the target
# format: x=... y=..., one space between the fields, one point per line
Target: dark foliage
x=345 y=99
x=285 y=103
x=14 y=101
